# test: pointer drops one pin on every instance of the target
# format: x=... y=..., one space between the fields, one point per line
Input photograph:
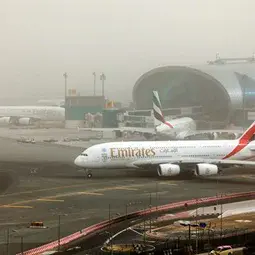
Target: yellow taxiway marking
x=96 y=192
x=42 y=190
x=50 y=200
x=90 y=193
x=168 y=183
x=16 y=206
x=125 y=188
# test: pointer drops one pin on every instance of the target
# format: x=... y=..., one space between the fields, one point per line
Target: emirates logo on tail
x=157 y=108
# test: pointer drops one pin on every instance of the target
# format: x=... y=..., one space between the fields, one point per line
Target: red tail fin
x=248 y=135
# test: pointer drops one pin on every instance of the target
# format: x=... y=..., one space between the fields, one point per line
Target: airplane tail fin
x=157 y=112
x=249 y=134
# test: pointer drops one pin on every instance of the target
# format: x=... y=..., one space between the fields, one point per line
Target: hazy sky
x=41 y=39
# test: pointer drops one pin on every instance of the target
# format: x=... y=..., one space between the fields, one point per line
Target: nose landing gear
x=89 y=174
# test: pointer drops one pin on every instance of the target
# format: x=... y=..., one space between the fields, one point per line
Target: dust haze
x=42 y=39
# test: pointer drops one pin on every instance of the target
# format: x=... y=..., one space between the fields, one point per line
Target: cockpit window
x=84 y=154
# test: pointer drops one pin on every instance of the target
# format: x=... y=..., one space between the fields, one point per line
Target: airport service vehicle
x=27 y=115
x=170 y=158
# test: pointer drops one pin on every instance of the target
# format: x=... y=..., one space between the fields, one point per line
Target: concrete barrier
x=159 y=209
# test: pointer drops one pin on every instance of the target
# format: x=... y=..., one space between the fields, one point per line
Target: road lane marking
x=90 y=193
x=49 y=189
x=124 y=188
x=50 y=200
x=16 y=206
x=168 y=183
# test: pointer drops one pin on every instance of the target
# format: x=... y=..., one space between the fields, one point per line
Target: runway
x=81 y=202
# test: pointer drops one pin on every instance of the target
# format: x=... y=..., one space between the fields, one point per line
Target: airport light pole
x=144 y=230
x=59 y=232
x=65 y=77
x=196 y=229
x=126 y=212
x=8 y=241
x=221 y=211
x=243 y=90
x=102 y=78
x=109 y=213
x=94 y=74
x=156 y=198
x=109 y=217
x=150 y=212
x=21 y=244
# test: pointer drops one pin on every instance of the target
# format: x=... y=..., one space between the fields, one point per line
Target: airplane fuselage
x=176 y=127
x=123 y=154
x=41 y=112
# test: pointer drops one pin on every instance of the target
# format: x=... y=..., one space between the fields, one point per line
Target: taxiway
x=79 y=203
x=50 y=188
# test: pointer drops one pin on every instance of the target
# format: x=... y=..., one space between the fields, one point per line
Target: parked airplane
x=181 y=128
x=170 y=158
x=174 y=129
x=26 y=115
x=51 y=102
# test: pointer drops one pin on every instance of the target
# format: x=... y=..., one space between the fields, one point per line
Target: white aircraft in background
x=51 y=102
x=180 y=128
x=170 y=158
x=174 y=129
x=26 y=115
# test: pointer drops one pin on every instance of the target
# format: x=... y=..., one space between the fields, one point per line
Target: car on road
x=222 y=250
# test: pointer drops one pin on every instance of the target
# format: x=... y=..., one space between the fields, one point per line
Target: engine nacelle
x=25 y=121
x=168 y=170
x=204 y=169
x=181 y=135
x=164 y=130
x=5 y=120
x=233 y=135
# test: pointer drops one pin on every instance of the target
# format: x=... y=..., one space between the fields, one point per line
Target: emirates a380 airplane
x=170 y=158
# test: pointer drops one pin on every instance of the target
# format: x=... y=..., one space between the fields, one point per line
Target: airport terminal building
x=225 y=88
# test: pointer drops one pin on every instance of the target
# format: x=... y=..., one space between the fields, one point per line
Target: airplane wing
x=197 y=132
x=190 y=161
x=34 y=117
x=122 y=129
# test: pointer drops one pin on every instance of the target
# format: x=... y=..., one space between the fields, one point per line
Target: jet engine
x=25 y=121
x=5 y=120
x=168 y=170
x=181 y=135
x=204 y=169
x=233 y=136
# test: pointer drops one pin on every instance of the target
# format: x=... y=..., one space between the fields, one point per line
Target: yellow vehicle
x=222 y=250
